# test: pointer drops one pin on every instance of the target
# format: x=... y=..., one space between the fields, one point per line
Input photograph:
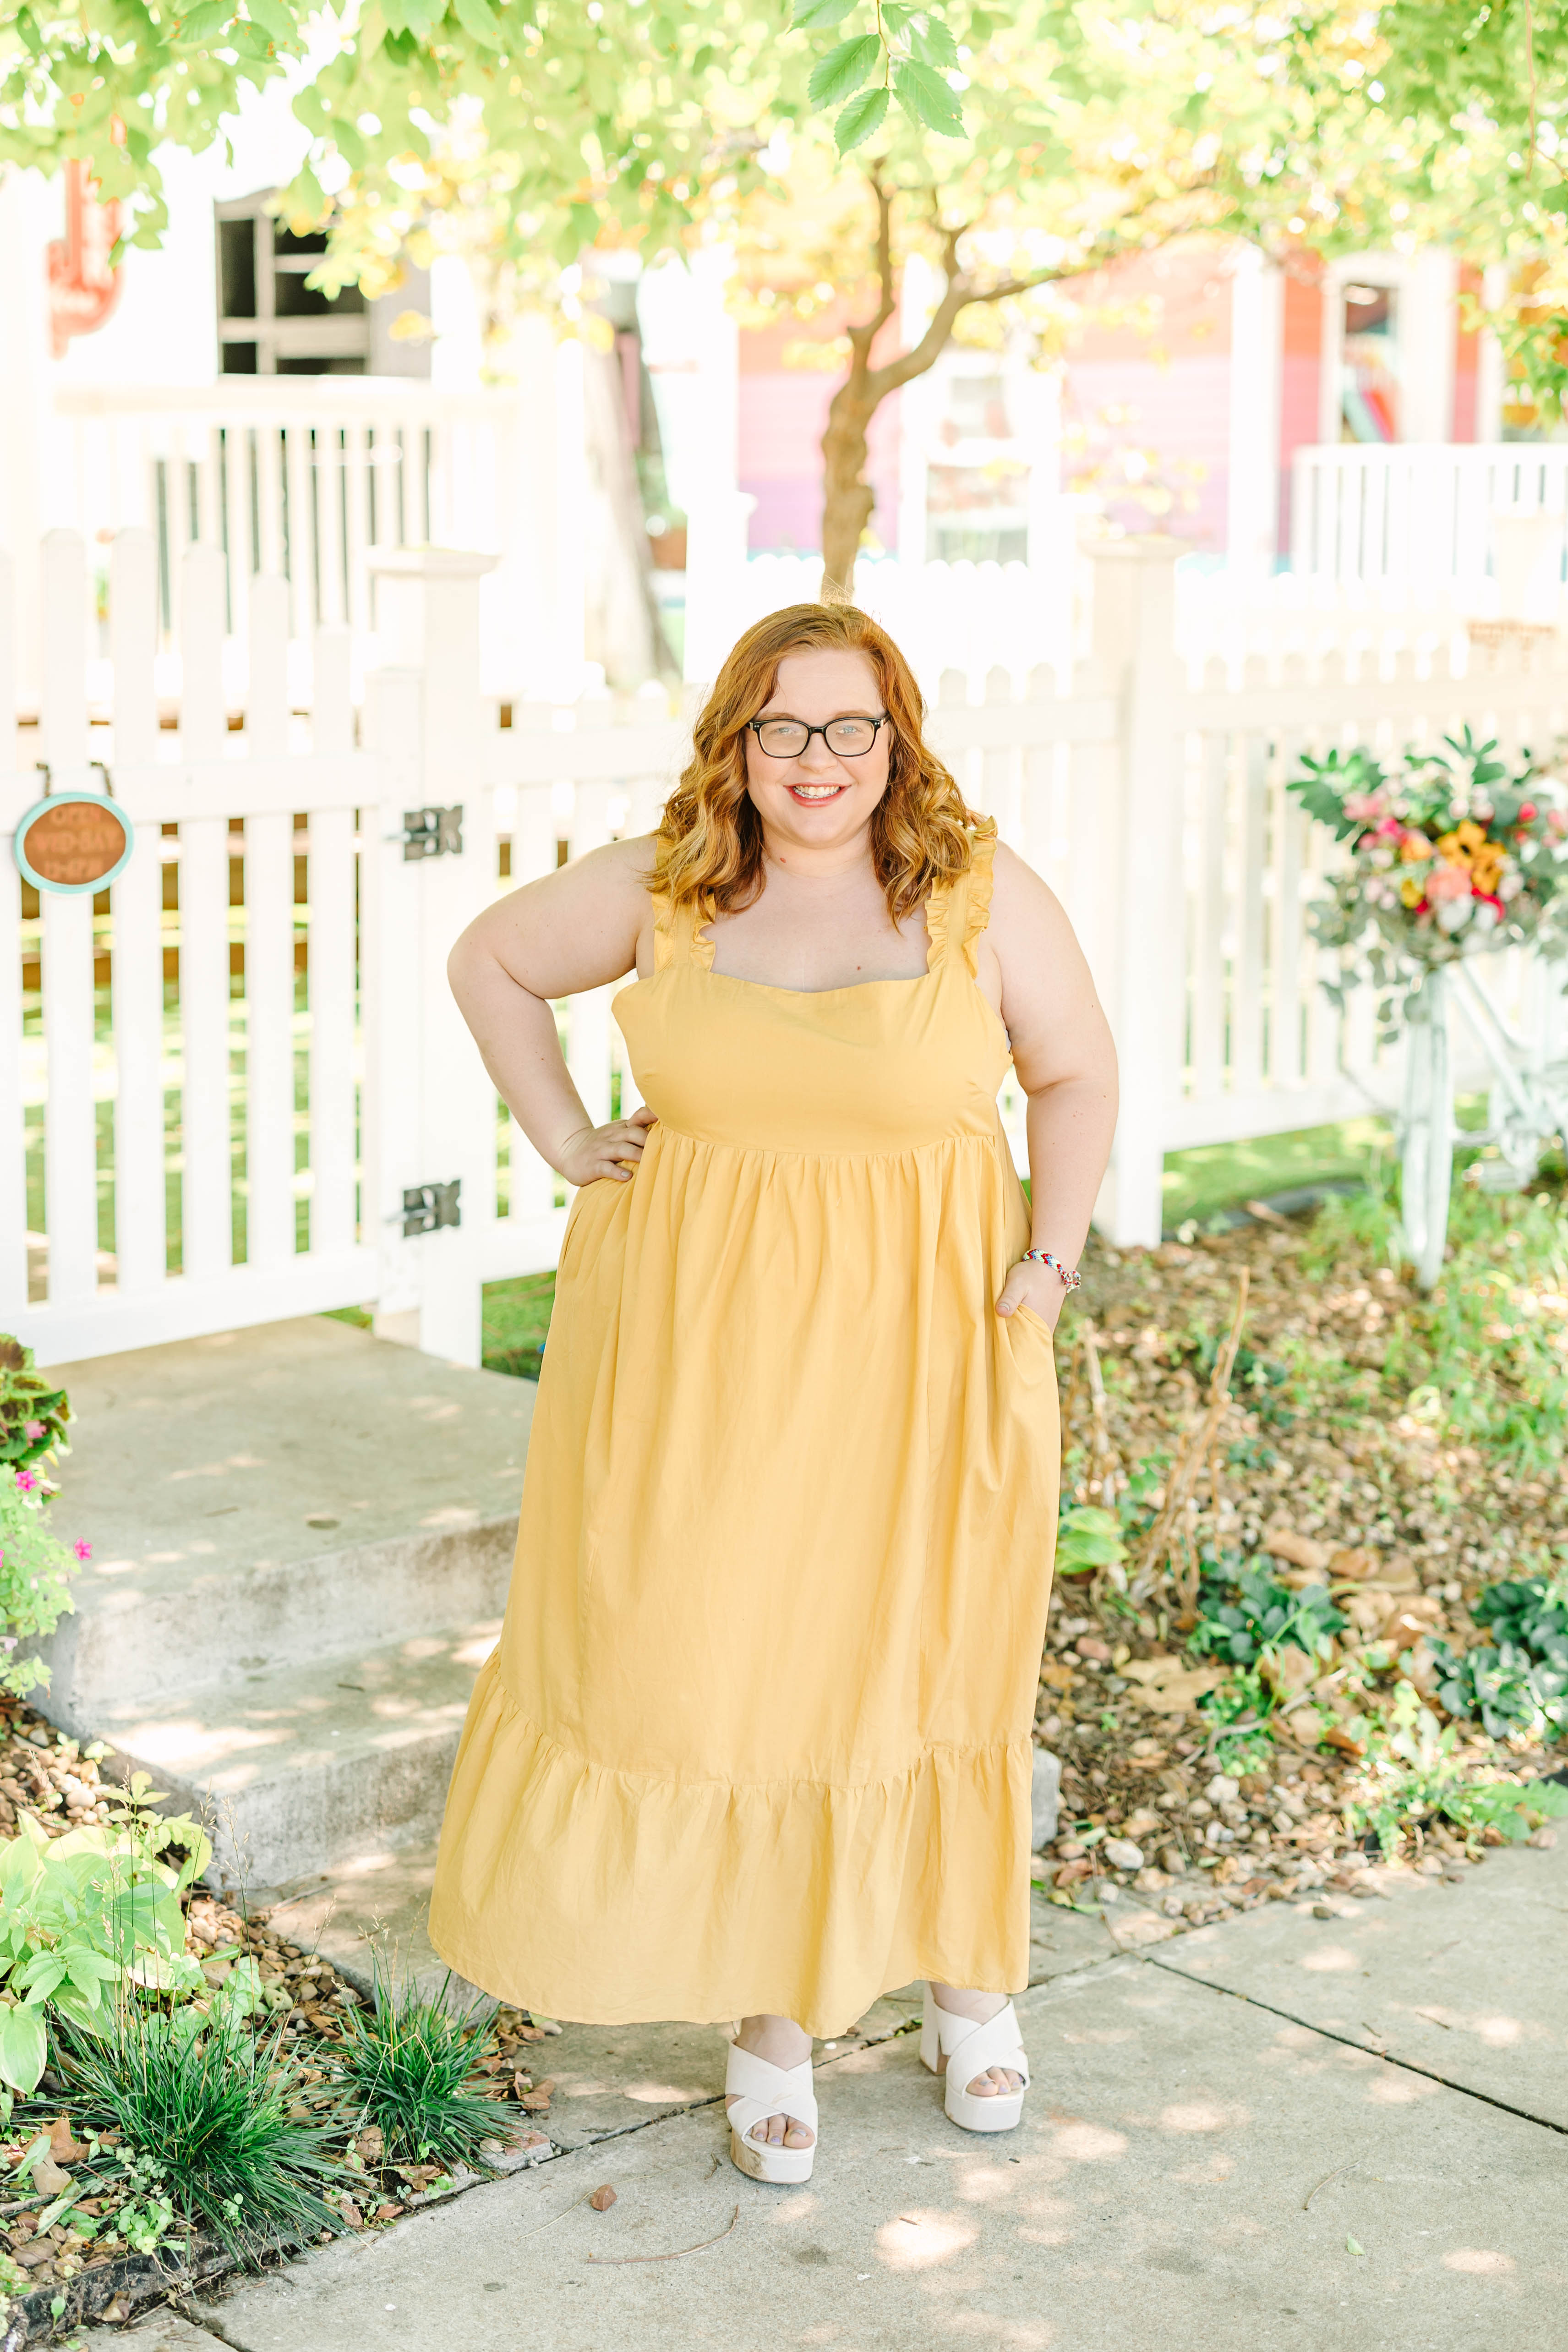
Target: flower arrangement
x=1450 y=855
x=36 y=1566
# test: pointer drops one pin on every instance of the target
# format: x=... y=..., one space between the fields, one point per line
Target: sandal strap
x=971 y=2048
x=766 y=2090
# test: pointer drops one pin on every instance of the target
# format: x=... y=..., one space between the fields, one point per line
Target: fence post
x=1134 y=637
x=434 y=1110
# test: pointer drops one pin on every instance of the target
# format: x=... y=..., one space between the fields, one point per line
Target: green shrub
x=83 y=1915
x=36 y=1566
x=1519 y=1680
x=32 y=1412
x=1412 y=1773
x=1262 y=1615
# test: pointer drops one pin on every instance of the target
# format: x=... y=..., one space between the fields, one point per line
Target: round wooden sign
x=73 y=841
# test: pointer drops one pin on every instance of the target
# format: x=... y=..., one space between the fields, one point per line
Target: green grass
x=203 y=2124
x=407 y=2067
x=1214 y=1176
x=516 y=1318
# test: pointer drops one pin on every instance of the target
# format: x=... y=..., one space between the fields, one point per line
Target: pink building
x=1196 y=375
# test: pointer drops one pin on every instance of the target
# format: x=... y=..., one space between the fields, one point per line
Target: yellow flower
x=1414 y=845
x=1486 y=873
x=1411 y=891
x=1452 y=850
x=1471 y=835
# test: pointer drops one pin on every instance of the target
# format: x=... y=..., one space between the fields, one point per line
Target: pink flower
x=1391 y=826
x=32 y=1431
x=26 y=1481
x=1528 y=813
x=83 y=1548
x=1449 y=882
x=1365 y=807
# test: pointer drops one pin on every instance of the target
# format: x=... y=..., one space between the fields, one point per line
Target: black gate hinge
x=431 y=833
x=427 y=1207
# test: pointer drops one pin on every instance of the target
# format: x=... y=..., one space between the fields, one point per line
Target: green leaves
x=203 y=22
x=24 y=2048
x=276 y=21
x=477 y=18
x=842 y=69
x=927 y=98
x=810 y=14
x=1087 y=1537
x=859 y=118
x=913 y=47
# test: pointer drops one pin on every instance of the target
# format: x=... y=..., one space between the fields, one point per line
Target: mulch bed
x=1377 y=1500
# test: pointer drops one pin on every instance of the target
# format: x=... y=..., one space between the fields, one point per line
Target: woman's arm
x=575 y=929
x=1066 y=1064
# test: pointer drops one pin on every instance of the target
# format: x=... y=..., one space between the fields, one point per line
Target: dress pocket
x=1033 y=1322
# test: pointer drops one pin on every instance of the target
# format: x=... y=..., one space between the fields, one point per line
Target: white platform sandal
x=968 y=2049
x=765 y=2091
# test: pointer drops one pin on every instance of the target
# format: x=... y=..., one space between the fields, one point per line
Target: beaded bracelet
x=1071 y=1278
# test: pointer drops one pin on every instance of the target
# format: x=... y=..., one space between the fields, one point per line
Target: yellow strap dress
x=757 y=1733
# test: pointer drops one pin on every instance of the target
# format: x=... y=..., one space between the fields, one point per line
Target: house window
x=270 y=322
x=1369 y=368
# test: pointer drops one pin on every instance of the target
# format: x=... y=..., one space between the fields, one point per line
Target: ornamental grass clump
x=407 y=2066
x=203 y=2130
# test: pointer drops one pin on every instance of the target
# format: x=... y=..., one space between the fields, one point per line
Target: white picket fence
x=1419 y=514
x=217 y=1087
x=303 y=478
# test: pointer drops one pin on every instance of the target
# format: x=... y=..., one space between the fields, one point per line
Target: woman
x=755 y=1741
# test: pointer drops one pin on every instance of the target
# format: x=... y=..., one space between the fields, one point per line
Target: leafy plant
x=35 y=1570
x=1413 y=1771
x=82 y=1915
x=1086 y=1539
x=1483 y=1355
x=1245 y=1700
x=205 y=2131
x=407 y=2065
x=1504 y=1685
x=1263 y=1616
x=33 y=1412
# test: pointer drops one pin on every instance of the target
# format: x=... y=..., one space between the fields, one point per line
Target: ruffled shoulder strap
x=676 y=933
x=956 y=912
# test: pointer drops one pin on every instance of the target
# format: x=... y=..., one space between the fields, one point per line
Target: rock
x=1297 y=1551
x=1089 y=1647
x=1123 y=1855
x=1045 y=1803
x=602 y=2198
x=1150 y=1881
x=1222 y=1790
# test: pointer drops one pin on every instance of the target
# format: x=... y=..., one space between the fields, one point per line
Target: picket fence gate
x=236 y=1087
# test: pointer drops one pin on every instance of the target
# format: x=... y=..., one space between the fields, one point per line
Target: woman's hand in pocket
x=594 y=1153
x=1036 y=1287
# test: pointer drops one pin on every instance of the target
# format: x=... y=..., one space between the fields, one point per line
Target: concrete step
x=270 y=1498
x=298 y=1767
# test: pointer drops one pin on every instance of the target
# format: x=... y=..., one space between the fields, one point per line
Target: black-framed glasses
x=787 y=738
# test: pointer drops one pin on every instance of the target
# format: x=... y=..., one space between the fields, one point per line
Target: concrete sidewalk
x=1342 y=2133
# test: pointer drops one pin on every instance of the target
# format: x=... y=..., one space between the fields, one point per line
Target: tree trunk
x=847 y=497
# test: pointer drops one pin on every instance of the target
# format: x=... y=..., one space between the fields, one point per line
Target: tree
x=1021 y=147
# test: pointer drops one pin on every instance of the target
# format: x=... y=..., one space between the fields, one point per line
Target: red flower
x=1528 y=813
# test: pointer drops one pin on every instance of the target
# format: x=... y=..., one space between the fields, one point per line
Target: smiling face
x=819 y=799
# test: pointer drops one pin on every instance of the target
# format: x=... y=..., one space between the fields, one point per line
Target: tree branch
x=863 y=337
